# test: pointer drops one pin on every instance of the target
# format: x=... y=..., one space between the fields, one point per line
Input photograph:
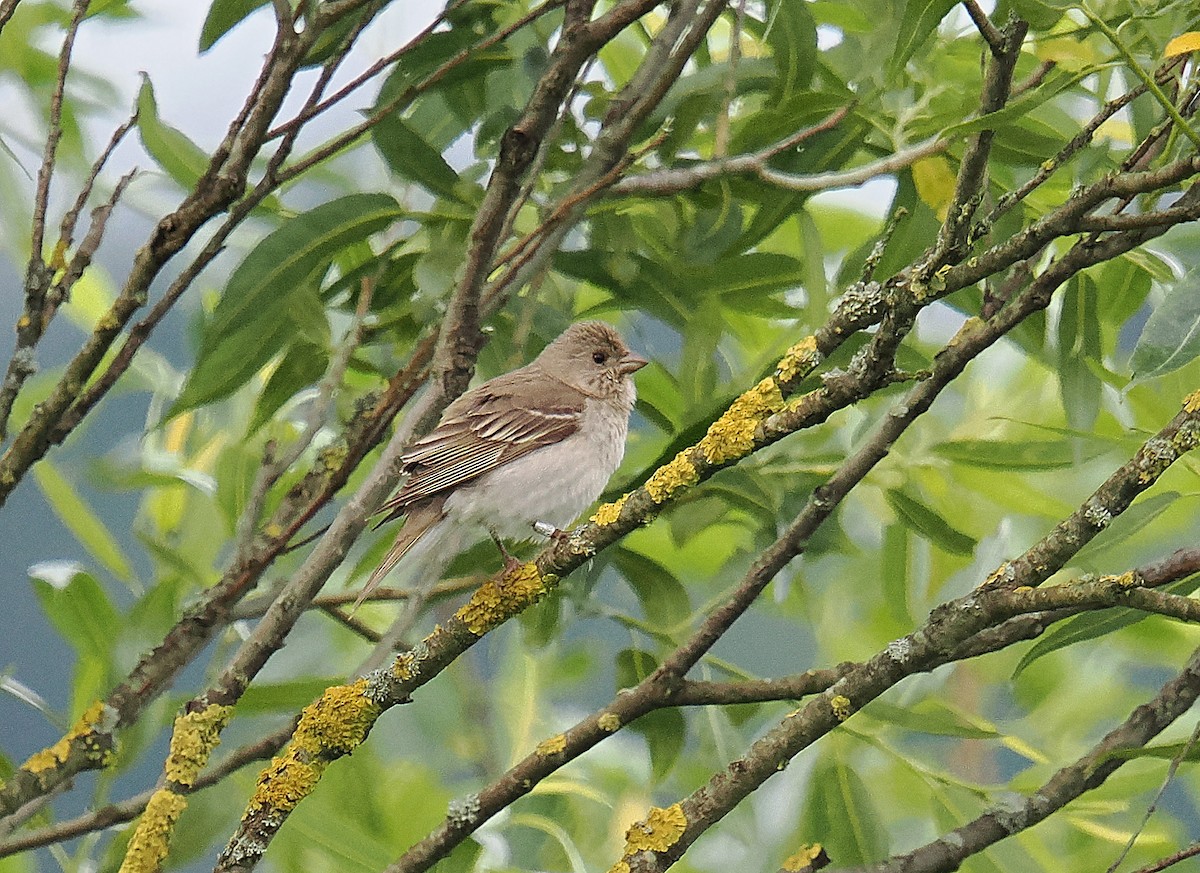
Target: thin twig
x=66 y=233
x=41 y=200
x=1171 y=860
x=1148 y=80
x=1178 y=759
x=673 y=180
x=987 y=30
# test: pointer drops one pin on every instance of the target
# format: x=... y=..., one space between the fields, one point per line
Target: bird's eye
x=599 y=357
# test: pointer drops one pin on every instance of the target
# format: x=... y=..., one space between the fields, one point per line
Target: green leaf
x=1055 y=83
x=1093 y=625
x=1124 y=526
x=282 y=696
x=634 y=665
x=663 y=598
x=180 y=158
x=922 y=520
x=757 y=272
x=933 y=717
x=410 y=156
x=841 y=814
x=919 y=20
x=1171 y=337
x=1022 y=455
x=665 y=731
x=270 y=297
x=83 y=615
x=222 y=17
x=1079 y=344
x=792 y=36
x=87 y=527
x=302 y=365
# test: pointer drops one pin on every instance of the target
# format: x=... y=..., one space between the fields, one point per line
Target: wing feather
x=487 y=427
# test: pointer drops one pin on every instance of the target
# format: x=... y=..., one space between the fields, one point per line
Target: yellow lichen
x=286 y=781
x=195 y=736
x=806 y=858
x=1128 y=579
x=798 y=361
x=402 y=667
x=58 y=753
x=23 y=322
x=732 y=435
x=1191 y=403
x=494 y=601
x=660 y=830
x=619 y=867
x=552 y=745
x=338 y=722
x=148 y=848
x=333 y=726
x=678 y=474
x=840 y=704
x=608 y=513
x=609 y=721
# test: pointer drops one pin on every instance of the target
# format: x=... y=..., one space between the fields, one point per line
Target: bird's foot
x=510 y=563
x=546 y=529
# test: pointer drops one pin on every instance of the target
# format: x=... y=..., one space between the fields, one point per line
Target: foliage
x=962 y=250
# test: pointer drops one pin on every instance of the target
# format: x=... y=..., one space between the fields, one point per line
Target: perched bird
x=534 y=446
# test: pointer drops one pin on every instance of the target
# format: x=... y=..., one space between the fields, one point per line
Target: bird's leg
x=510 y=563
x=546 y=529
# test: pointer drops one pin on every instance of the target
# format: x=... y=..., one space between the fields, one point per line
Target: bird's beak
x=631 y=363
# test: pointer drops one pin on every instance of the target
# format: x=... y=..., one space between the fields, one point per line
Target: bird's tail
x=419 y=521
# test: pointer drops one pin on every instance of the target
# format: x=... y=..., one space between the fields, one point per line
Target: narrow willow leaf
x=83 y=614
x=840 y=811
x=933 y=717
x=270 y=297
x=921 y=519
x=302 y=365
x=663 y=598
x=222 y=17
x=81 y=521
x=180 y=158
x=1171 y=337
x=1016 y=455
x=1093 y=625
x=410 y=156
x=1079 y=345
x=920 y=19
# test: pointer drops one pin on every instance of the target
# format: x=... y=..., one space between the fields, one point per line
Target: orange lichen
x=552 y=745
x=333 y=726
x=807 y=858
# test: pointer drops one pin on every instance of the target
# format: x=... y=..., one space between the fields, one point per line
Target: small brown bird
x=534 y=446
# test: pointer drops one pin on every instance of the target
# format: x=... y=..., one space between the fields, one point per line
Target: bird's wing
x=484 y=429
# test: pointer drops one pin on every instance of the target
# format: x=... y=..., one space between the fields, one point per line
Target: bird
x=524 y=452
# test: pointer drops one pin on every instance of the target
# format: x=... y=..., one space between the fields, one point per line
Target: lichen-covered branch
x=1147 y=721
x=1006 y=593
